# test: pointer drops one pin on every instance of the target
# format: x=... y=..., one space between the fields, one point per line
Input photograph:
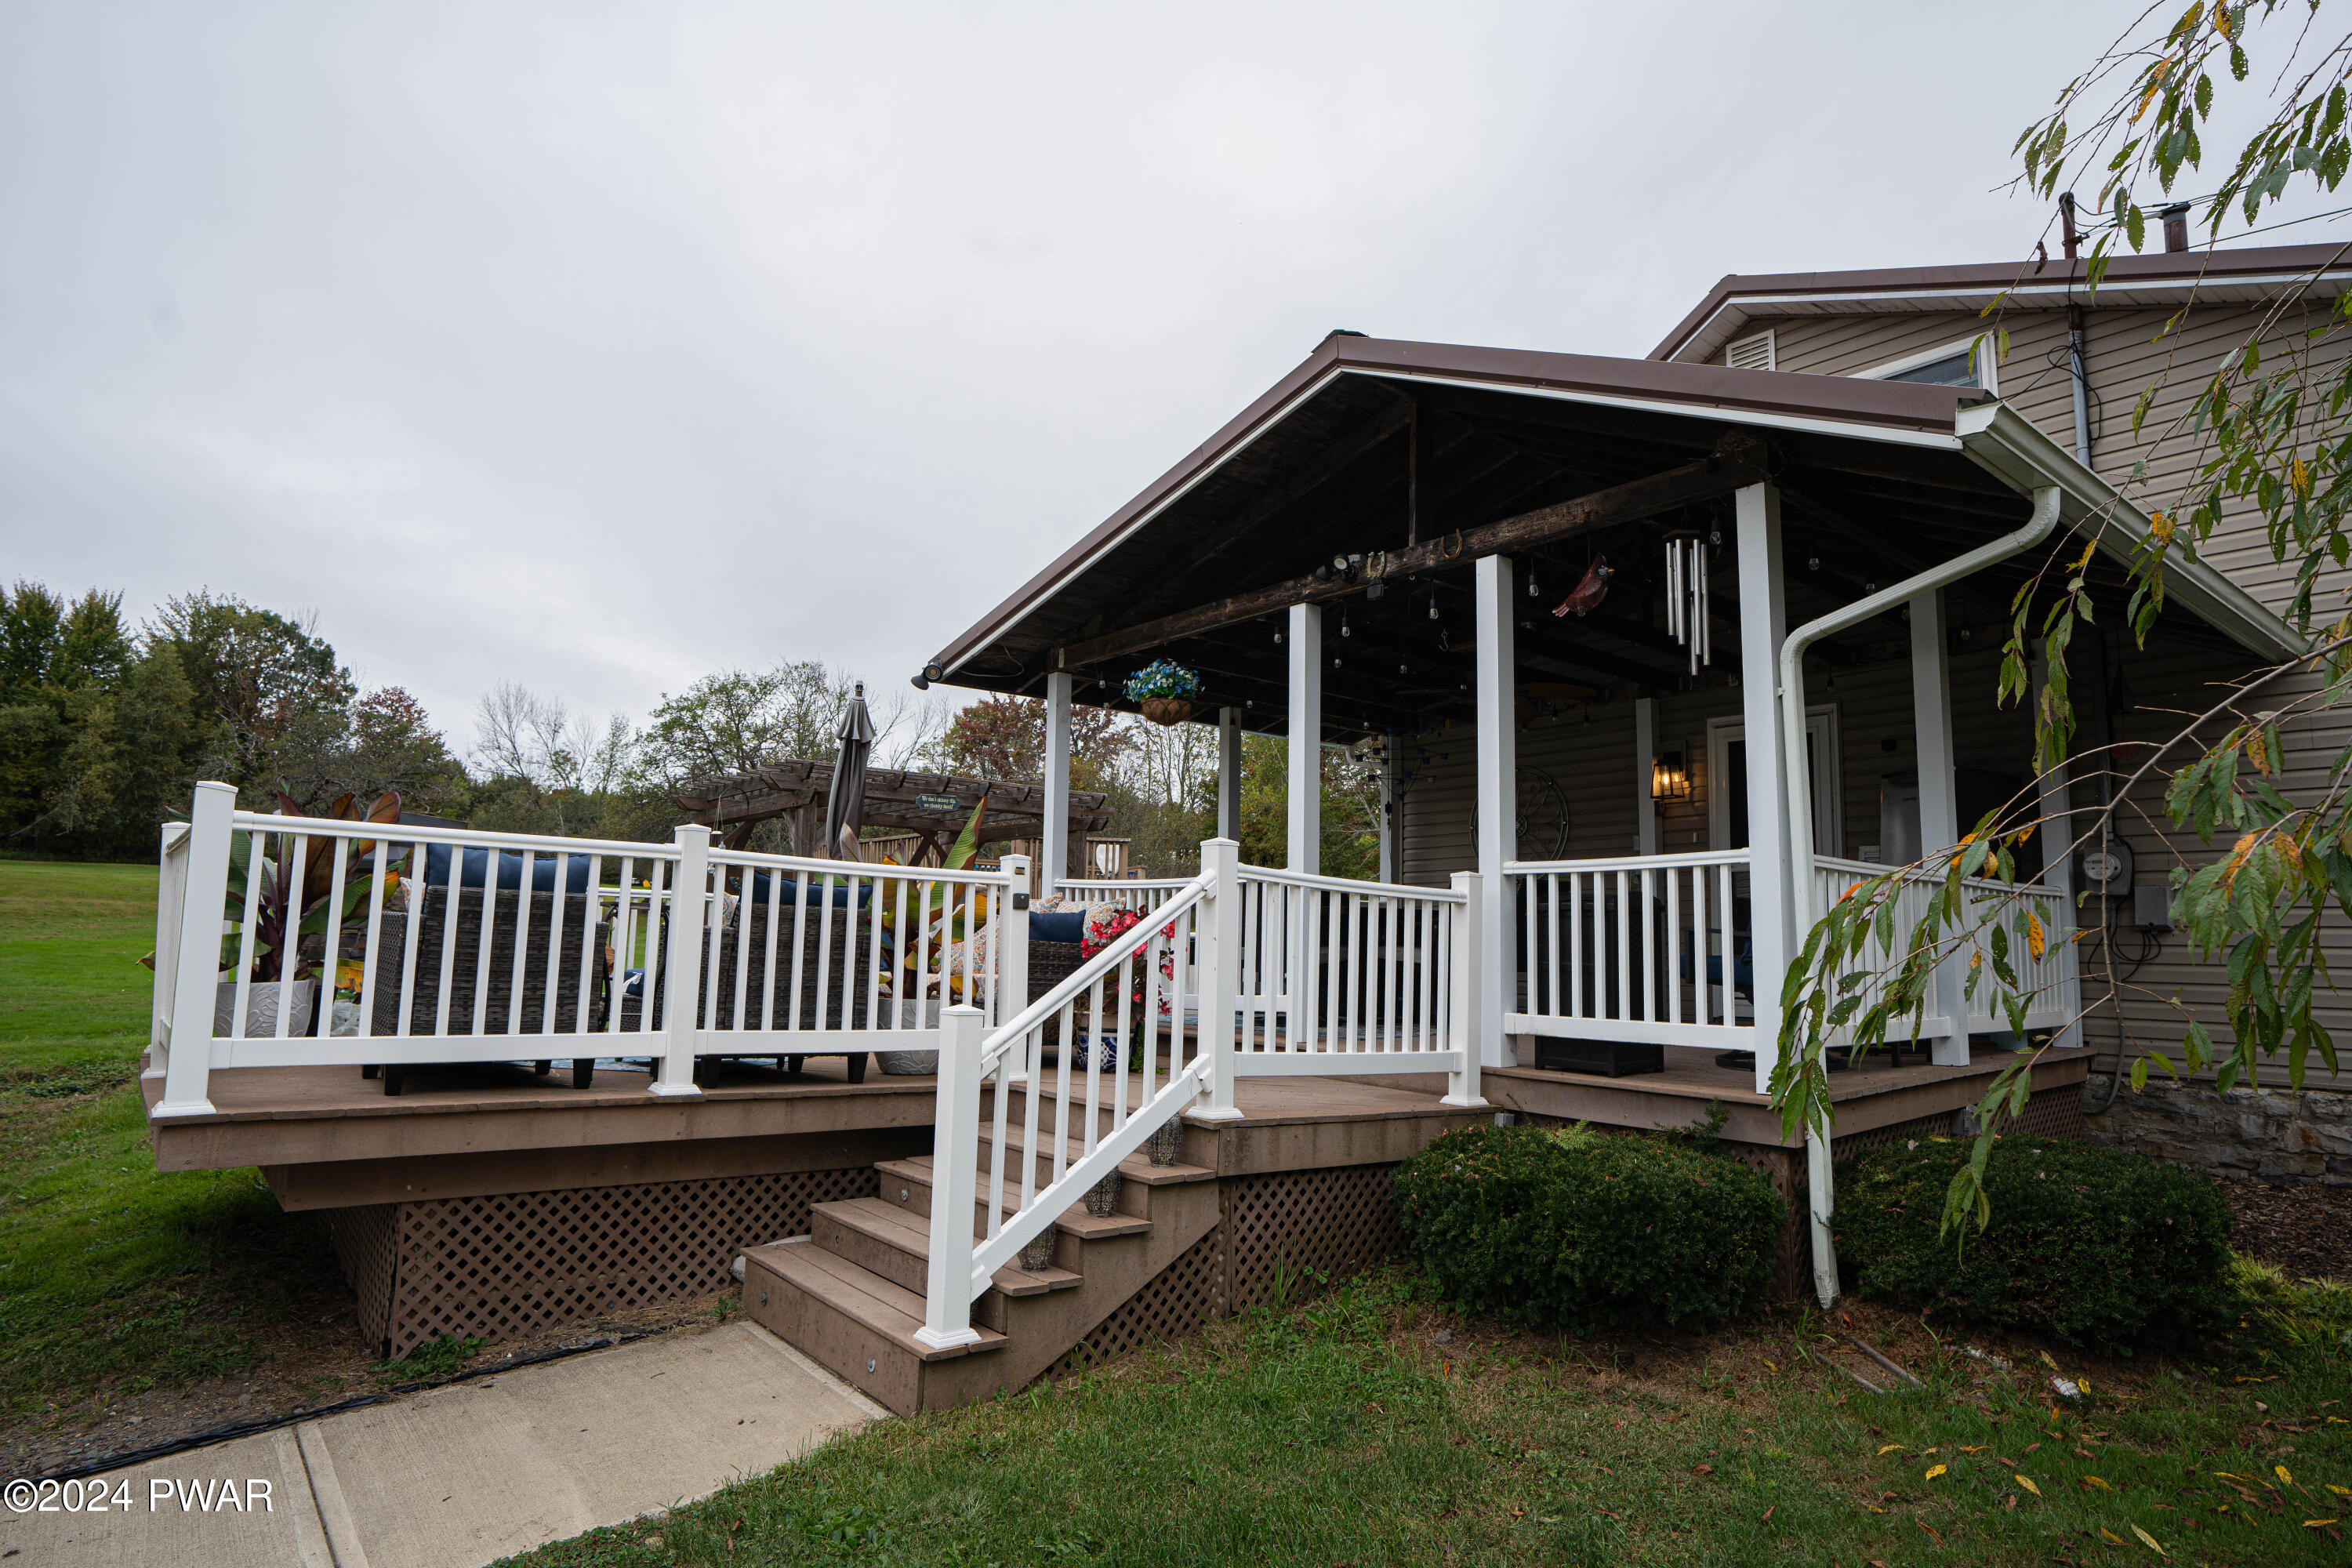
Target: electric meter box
x=2152 y=908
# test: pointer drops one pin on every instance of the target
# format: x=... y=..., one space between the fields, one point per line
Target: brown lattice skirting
x=1273 y=1232
x=513 y=1264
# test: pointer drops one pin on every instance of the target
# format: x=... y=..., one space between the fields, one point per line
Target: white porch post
x=1939 y=810
x=1499 y=803
x=1464 y=976
x=955 y=1180
x=188 y=1057
x=1763 y=623
x=1218 y=926
x=1646 y=751
x=1229 y=774
x=1392 y=813
x=2058 y=865
x=689 y=902
x=1305 y=802
x=1054 y=862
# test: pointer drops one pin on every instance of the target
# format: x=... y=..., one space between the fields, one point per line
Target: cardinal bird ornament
x=1585 y=596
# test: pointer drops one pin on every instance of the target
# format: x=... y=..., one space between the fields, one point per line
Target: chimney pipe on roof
x=2176 y=227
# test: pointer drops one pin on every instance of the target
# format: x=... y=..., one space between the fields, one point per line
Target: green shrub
x=1588 y=1230
x=2107 y=1250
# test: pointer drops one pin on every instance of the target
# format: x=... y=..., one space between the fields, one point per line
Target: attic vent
x=1752 y=353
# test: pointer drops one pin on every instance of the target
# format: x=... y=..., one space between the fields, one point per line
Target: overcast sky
x=599 y=347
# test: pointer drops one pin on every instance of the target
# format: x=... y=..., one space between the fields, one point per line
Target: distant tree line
x=105 y=728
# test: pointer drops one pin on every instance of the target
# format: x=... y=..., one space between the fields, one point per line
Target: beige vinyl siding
x=2125 y=352
x=2162 y=686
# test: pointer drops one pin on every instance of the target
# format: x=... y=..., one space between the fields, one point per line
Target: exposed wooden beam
x=1738 y=460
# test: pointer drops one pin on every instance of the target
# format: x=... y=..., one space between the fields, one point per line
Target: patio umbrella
x=844 y=806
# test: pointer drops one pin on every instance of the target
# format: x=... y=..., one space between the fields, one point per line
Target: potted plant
x=1166 y=690
x=283 y=914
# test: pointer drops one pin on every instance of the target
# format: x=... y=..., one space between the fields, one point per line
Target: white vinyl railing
x=1144 y=893
x=522 y=946
x=2050 y=982
x=1294 y=973
x=1332 y=968
x=1097 y=1065
x=1643 y=948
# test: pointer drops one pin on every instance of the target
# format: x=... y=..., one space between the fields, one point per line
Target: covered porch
x=1658 y=661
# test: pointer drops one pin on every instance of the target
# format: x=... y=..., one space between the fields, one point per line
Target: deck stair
x=850 y=1293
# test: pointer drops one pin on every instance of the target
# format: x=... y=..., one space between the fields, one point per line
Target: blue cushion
x=1057 y=925
x=814 y=896
x=475 y=869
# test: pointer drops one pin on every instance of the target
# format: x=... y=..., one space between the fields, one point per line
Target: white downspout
x=1804 y=880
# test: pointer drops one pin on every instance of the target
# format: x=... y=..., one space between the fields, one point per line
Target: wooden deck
x=1871 y=1096
x=327 y=1138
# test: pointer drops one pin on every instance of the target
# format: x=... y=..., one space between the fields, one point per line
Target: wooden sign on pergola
x=935 y=805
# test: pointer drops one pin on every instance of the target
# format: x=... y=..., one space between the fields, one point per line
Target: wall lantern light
x=1669 y=780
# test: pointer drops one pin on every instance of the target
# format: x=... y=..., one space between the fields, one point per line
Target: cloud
x=596 y=350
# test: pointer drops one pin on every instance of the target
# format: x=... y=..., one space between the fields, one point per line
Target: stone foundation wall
x=2269 y=1134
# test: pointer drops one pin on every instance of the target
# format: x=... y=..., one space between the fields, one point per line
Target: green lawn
x=113 y=1277
x=1347 y=1432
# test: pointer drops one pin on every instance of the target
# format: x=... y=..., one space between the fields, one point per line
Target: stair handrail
x=1112 y=956
x=959 y=1267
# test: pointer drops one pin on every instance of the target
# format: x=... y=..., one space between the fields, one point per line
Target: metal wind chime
x=1687 y=619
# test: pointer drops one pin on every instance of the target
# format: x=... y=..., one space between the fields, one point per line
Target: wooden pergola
x=797 y=789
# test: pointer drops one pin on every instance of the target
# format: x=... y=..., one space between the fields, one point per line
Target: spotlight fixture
x=1345 y=630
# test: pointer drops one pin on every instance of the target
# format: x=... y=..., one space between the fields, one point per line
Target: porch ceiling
x=1373 y=446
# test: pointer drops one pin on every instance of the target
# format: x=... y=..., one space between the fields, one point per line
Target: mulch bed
x=2305 y=1229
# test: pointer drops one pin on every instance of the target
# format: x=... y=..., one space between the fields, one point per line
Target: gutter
x=1803 y=885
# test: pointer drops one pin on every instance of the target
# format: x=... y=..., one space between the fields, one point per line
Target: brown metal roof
x=2218 y=274
x=1708 y=398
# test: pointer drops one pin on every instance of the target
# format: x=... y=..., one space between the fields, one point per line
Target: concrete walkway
x=468 y=1474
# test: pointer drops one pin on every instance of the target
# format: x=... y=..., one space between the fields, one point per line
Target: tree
x=61 y=668
x=1350 y=839
x=274 y=704
x=1002 y=737
x=2271 y=436
x=743 y=720
x=393 y=746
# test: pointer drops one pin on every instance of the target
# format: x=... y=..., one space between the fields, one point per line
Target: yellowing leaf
x=1933 y=1471
x=1978 y=1449
x=2339 y=1491
x=1888 y=1450
x=2316 y=1523
x=2282 y=1473
x=2153 y=1543
x=2027 y=1482
x=2110 y=1535
x=2095 y=1481
x=2160 y=525
x=2036 y=938
x=2046 y=1361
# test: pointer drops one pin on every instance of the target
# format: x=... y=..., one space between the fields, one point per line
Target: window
x=1953 y=364
x=1752 y=353
x=1954 y=371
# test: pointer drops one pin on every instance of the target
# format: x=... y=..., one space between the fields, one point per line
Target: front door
x=1727 y=781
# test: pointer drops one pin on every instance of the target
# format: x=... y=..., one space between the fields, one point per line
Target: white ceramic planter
x=912 y=1064
x=261 y=1009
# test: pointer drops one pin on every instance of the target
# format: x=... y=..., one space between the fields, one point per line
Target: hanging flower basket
x=1165 y=689
x=1167 y=709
